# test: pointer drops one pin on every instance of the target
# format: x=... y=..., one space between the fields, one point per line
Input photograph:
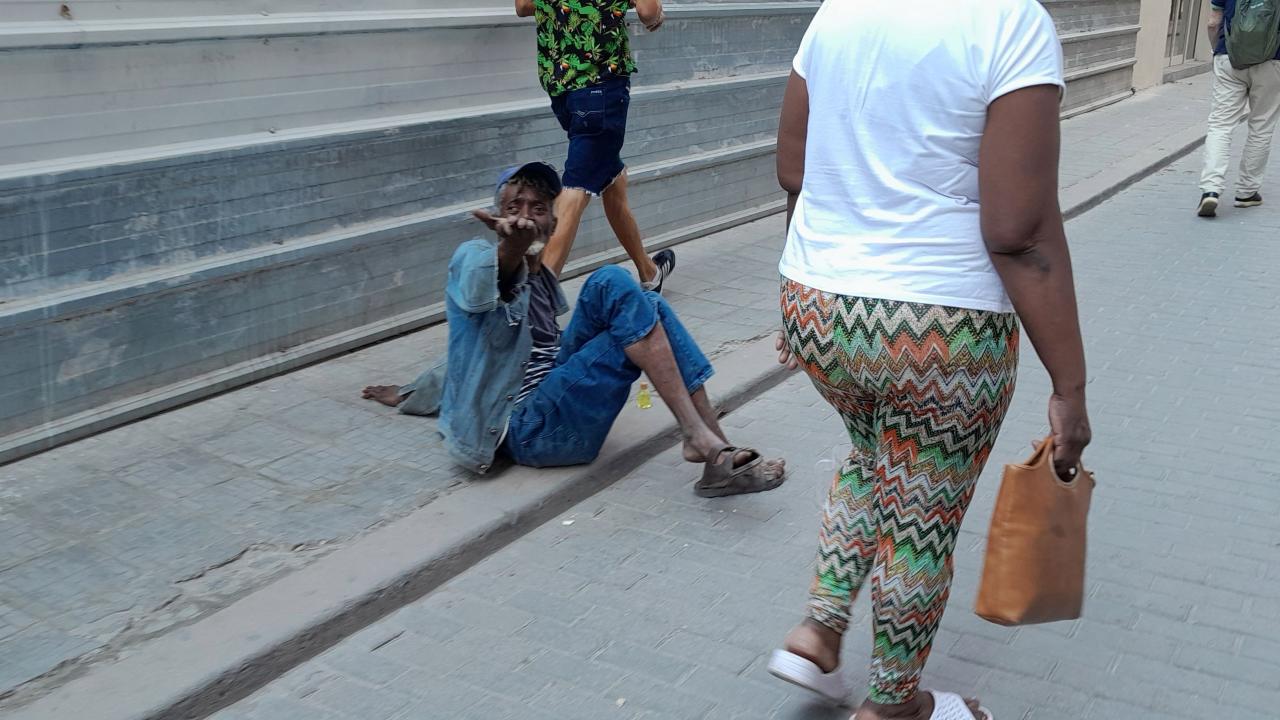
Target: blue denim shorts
x=596 y=120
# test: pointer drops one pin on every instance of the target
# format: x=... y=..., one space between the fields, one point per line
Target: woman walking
x=918 y=146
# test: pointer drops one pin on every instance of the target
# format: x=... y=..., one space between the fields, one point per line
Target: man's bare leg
x=703 y=438
x=711 y=417
x=618 y=212
x=654 y=356
x=388 y=395
x=570 y=206
x=707 y=412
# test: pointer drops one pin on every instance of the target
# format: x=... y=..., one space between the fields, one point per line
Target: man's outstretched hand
x=515 y=233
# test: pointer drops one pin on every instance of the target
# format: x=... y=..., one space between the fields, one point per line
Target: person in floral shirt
x=585 y=65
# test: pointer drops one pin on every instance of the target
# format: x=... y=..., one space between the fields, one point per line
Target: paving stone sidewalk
x=1096 y=141
x=114 y=539
x=646 y=602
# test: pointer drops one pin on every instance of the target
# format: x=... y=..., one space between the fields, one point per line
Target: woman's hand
x=785 y=356
x=1069 y=422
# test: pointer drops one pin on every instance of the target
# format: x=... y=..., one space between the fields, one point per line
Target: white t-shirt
x=898 y=97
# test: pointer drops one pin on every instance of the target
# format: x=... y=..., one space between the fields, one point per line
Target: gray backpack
x=1253 y=35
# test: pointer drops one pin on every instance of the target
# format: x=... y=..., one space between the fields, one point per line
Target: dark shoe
x=666 y=262
x=1253 y=200
x=1208 y=205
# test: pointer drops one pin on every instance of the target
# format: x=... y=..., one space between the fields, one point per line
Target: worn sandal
x=724 y=478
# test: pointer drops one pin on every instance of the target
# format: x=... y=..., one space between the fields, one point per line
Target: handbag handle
x=1043 y=456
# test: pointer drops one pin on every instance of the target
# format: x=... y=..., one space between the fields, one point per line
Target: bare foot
x=648 y=273
x=816 y=643
x=388 y=395
x=774 y=467
x=919 y=707
x=692 y=454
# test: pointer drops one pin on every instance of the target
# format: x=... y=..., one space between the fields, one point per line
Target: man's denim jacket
x=489 y=346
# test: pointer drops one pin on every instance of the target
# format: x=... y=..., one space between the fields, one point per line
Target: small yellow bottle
x=642 y=398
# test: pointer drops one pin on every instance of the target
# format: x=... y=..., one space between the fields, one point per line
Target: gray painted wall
x=1099 y=39
x=190 y=203
x=195 y=195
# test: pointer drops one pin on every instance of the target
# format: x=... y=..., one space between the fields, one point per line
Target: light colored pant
x=1252 y=94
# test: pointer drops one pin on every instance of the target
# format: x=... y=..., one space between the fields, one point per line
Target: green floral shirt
x=581 y=43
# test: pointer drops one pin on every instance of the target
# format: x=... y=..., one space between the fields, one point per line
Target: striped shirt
x=541 y=362
x=545 y=331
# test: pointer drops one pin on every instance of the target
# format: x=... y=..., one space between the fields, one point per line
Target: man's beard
x=536 y=248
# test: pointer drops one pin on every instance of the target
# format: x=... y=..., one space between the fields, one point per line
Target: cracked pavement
x=112 y=540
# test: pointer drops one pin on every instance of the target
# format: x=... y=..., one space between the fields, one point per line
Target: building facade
x=198 y=194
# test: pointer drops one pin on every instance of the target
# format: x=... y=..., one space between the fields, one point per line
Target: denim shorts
x=596 y=120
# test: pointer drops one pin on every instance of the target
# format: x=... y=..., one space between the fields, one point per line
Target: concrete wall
x=1099 y=40
x=197 y=194
x=1154 y=19
x=1204 y=51
x=1153 y=65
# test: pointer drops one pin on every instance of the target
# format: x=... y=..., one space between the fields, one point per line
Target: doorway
x=1184 y=32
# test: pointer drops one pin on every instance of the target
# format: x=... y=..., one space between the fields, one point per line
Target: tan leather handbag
x=1034 y=568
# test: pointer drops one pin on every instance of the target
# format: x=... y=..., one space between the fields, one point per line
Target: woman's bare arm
x=793 y=132
x=1023 y=230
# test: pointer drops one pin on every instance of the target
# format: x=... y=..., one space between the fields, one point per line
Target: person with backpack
x=1246 y=86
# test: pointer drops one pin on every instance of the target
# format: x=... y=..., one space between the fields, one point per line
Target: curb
x=194 y=671
x=1096 y=190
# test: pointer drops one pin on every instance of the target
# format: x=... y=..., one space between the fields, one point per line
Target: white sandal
x=950 y=706
x=806 y=674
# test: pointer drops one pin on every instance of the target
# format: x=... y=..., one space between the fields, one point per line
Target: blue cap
x=540 y=170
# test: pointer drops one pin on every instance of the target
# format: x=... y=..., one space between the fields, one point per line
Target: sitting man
x=513 y=382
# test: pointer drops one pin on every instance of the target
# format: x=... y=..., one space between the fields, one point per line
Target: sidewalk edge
x=194 y=671
x=1094 y=191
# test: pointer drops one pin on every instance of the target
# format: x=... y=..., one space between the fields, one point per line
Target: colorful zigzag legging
x=922 y=390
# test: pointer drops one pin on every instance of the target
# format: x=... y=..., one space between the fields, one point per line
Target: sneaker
x=1208 y=205
x=1253 y=200
x=666 y=262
